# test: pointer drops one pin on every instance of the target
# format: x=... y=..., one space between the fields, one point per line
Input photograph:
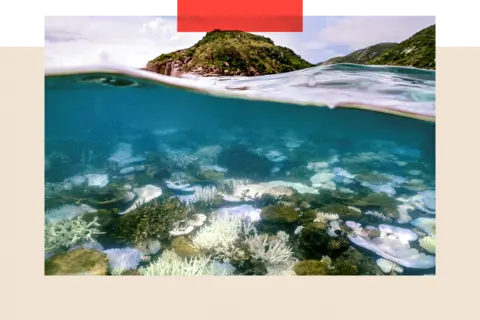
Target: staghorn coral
x=170 y=264
x=378 y=215
x=282 y=269
x=205 y=194
x=220 y=235
x=325 y=217
x=63 y=235
x=272 y=250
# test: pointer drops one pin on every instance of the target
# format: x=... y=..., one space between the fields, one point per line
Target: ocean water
x=324 y=171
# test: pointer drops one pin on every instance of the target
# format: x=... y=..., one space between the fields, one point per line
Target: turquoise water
x=162 y=180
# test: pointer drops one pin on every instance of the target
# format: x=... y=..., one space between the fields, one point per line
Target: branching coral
x=205 y=194
x=170 y=264
x=220 y=235
x=272 y=250
x=324 y=217
x=62 y=235
x=378 y=215
x=282 y=269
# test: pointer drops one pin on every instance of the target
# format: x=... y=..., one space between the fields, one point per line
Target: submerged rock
x=77 y=262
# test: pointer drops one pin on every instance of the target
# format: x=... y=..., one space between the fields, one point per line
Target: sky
x=133 y=41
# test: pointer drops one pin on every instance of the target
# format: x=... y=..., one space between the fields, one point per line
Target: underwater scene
x=151 y=175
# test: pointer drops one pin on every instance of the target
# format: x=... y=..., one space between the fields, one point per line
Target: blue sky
x=133 y=41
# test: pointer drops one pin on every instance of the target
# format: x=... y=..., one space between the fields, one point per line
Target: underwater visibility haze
x=322 y=171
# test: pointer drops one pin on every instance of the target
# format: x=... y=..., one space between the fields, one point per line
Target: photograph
x=235 y=153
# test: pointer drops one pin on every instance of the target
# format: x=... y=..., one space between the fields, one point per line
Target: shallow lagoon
x=149 y=179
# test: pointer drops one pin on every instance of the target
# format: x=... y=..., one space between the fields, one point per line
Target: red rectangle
x=391 y=4
x=241 y=23
x=244 y=7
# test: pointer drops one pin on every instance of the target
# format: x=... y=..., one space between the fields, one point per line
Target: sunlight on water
x=153 y=179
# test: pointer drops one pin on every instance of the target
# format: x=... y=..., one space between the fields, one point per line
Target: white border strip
x=459 y=42
x=157 y=11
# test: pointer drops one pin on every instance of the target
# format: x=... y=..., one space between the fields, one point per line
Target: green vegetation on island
x=229 y=53
x=417 y=51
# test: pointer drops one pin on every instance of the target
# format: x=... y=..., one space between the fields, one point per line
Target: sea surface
x=323 y=171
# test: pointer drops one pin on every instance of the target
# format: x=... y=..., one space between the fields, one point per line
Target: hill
x=361 y=56
x=417 y=51
x=228 y=53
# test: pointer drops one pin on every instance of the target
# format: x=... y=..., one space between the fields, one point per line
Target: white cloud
x=131 y=41
x=360 y=32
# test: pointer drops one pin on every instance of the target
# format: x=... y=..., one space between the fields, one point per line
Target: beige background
x=27 y=294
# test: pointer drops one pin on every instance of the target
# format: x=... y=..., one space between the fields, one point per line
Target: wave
x=397 y=90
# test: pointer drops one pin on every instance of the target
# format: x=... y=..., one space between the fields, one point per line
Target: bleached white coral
x=220 y=235
x=272 y=250
x=333 y=227
x=170 y=264
x=355 y=209
x=282 y=269
x=325 y=217
x=123 y=259
x=205 y=194
x=62 y=235
x=378 y=215
x=403 y=216
x=298 y=230
x=428 y=243
x=387 y=266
